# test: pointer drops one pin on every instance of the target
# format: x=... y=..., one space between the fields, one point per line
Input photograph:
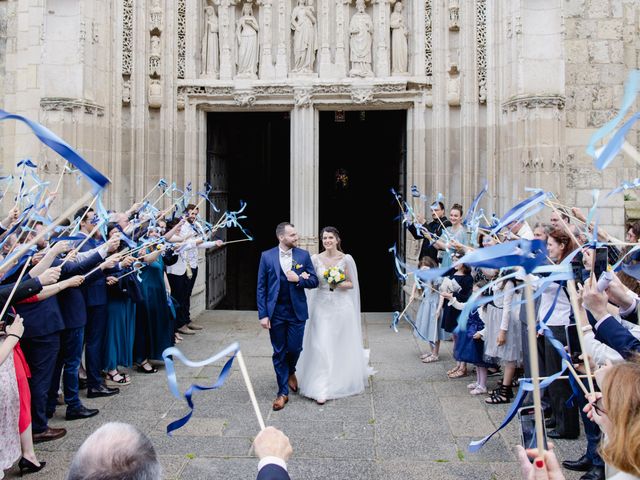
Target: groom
x=285 y=271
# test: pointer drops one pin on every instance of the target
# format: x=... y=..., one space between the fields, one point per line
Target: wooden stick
x=160 y=197
x=577 y=377
x=561 y=377
x=237 y=241
x=135 y=270
x=252 y=395
x=49 y=228
x=577 y=312
x=64 y=167
x=535 y=371
x=631 y=151
x=15 y=287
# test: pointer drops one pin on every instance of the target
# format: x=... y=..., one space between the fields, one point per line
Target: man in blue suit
x=273 y=449
x=285 y=271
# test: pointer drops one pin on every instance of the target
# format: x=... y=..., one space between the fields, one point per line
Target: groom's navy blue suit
x=285 y=303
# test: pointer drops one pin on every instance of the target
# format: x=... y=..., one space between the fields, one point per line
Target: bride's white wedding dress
x=333 y=363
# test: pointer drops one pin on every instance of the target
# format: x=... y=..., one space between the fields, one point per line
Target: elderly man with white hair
x=116 y=451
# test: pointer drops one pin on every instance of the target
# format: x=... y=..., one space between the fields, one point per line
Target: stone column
x=267 y=70
x=342 y=34
x=282 y=63
x=304 y=170
x=226 y=17
x=325 y=68
x=381 y=38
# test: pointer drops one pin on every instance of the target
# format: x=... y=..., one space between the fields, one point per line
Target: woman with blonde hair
x=617 y=411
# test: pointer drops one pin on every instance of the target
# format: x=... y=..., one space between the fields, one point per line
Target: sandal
x=492 y=372
x=430 y=359
x=453 y=370
x=141 y=368
x=472 y=385
x=504 y=394
x=478 y=391
x=113 y=378
x=462 y=372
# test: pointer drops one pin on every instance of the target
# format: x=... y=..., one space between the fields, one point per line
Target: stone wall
x=602 y=44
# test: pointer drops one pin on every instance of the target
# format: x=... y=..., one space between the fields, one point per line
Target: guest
x=12 y=396
x=434 y=229
x=452 y=237
x=116 y=451
x=565 y=418
x=427 y=320
x=154 y=322
x=461 y=288
x=556 y=220
x=541 y=231
x=617 y=412
x=273 y=449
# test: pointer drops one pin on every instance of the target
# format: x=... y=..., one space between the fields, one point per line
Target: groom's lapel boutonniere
x=296 y=265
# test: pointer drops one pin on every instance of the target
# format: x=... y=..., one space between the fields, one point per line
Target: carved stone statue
x=126 y=91
x=454 y=15
x=399 y=46
x=360 y=30
x=210 y=43
x=155 y=15
x=155 y=56
x=303 y=24
x=247 y=35
x=155 y=93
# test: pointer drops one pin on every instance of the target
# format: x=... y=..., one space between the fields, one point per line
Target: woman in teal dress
x=154 y=325
x=451 y=236
x=121 y=326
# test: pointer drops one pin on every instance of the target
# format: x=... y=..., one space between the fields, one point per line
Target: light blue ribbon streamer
x=61 y=147
x=624 y=186
x=168 y=357
x=521 y=210
x=630 y=92
x=472 y=210
x=614 y=146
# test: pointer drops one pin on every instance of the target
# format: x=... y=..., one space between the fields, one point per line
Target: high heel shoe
x=26 y=466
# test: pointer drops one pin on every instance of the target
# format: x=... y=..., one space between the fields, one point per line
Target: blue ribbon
x=624 y=186
x=522 y=210
x=614 y=146
x=471 y=212
x=61 y=147
x=171 y=352
x=630 y=92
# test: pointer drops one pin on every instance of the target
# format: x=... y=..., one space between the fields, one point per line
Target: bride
x=333 y=363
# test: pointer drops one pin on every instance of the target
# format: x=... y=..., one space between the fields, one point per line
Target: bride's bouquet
x=334 y=277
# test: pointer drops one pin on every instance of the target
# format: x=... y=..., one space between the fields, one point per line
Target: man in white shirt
x=182 y=274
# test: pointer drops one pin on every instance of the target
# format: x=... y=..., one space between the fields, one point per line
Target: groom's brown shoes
x=293 y=383
x=278 y=403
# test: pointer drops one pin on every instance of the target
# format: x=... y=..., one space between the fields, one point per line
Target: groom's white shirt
x=286 y=259
x=272 y=460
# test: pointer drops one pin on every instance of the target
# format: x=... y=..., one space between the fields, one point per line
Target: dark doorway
x=247 y=159
x=362 y=156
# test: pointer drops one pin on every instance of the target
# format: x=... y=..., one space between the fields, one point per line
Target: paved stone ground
x=412 y=422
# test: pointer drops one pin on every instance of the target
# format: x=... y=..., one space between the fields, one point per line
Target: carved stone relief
x=155 y=16
x=155 y=93
x=362 y=95
x=481 y=49
x=244 y=98
x=454 y=15
x=180 y=34
x=126 y=91
x=155 y=56
x=453 y=86
x=428 y=54
x=302 y=97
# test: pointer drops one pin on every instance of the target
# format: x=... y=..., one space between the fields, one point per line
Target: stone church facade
x=501 y=91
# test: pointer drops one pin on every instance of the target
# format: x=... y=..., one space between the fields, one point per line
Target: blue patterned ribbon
x=168 y=356
x=522 y=210
x=614 y=146
x=472 y=210
x=61 y=147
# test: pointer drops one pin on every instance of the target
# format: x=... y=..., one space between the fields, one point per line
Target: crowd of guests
x=113 y=292
x=494 y=339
